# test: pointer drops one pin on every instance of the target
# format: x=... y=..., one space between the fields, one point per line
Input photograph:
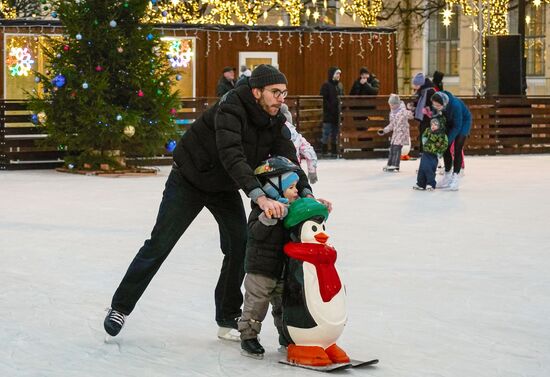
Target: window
x=180 y=52
x=22 y=56
x=443 y=43
x=535 y=29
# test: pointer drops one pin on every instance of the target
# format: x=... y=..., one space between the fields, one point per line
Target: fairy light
x=293 y=8
x=495 y=14
x=367 y=11
x=6 y=11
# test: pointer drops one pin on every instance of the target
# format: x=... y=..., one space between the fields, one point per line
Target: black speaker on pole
x=503 y=65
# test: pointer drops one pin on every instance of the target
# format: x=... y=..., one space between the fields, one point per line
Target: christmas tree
x=106 y=90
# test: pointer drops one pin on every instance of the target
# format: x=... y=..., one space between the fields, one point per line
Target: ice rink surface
x=438 y=283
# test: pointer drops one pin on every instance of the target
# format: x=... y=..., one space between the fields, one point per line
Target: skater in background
x=366 y=85
x=213 y=160
x=265 y=259
x=437 y=80
x=399 y=125
x=226 y=81
x=304 y=150
x=459 y=123
x=438 y=86
x=435 y=144
x=424 y=90
x=245 y=75
x=331 y=91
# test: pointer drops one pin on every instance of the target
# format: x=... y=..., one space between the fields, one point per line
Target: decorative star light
x=180 y=53
x=20 y=61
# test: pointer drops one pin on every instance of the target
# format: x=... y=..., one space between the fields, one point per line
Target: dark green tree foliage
x=116 y=79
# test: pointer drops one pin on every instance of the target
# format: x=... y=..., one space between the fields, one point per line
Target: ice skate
x=113 y=322
x=252 y=348
x=419 y=188
x=445 y=181
x=453 y=185
x=390 y=169
x=228 y=330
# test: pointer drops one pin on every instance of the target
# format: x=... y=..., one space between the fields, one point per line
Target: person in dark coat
x=213 y=160
x=331 y=91
x=226 y=81
x=366 y=85
x=438 y=80
x=424 y=90
x=245 y=75
x=459 y=123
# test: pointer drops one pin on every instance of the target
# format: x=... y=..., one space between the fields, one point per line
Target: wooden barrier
x=501 y=125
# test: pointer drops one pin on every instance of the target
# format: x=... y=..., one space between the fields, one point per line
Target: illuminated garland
x=294 y=9
x=367 y=11
x=495 y=14
x=6 y=11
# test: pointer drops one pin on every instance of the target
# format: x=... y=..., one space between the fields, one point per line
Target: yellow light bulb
x=265 y=15
x=342 y=11
x=280 y=22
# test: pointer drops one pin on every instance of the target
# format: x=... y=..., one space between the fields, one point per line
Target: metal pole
x=523 y=59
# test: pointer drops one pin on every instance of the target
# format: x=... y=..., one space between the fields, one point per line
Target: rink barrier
x=501 y=126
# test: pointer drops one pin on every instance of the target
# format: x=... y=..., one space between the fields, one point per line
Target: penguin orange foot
x=336 y=354
x=307 y=355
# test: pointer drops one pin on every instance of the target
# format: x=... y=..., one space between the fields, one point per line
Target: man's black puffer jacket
x=223 y=146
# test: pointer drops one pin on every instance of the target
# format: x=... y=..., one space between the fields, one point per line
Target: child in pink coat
x=399 y=125
x=304 y=150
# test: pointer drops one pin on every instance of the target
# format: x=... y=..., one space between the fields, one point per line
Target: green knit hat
x=304 y=209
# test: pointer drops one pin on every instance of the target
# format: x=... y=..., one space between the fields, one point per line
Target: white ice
x=438 y=283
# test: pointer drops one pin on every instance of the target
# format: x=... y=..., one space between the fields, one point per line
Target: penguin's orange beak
x=321 y=237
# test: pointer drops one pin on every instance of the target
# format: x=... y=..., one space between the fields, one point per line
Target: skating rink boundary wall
x=501 y=125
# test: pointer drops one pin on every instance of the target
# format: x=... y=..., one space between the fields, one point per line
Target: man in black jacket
x=213 y=160
x=331 y=91
x=366 y=85
x=226 y=81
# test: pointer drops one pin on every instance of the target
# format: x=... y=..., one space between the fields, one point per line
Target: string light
x=494 y=13
x=6 y=11
x=367 y=11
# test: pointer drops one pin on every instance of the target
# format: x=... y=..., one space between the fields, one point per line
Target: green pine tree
x=107 y=83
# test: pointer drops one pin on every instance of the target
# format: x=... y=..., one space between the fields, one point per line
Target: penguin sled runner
x=314 y=298
x=333 y=367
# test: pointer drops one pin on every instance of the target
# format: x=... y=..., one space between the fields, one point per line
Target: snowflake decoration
x=19 y=61
x=180 y=54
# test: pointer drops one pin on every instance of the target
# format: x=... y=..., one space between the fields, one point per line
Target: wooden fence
x=501 y=125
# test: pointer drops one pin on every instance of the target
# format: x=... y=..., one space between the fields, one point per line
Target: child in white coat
x=399 y=125
x=304 y=150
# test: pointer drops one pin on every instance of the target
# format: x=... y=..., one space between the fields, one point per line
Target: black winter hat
x=264 y=75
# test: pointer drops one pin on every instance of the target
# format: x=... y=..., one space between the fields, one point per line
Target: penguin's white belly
x=330 y=316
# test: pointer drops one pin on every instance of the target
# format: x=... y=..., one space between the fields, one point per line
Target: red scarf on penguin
x=323 y=257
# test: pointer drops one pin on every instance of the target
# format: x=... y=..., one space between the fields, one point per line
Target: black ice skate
x=252 y=348
x=113 y=322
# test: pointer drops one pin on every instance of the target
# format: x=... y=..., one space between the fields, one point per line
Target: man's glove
x=312 y=176
x=380 y=132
